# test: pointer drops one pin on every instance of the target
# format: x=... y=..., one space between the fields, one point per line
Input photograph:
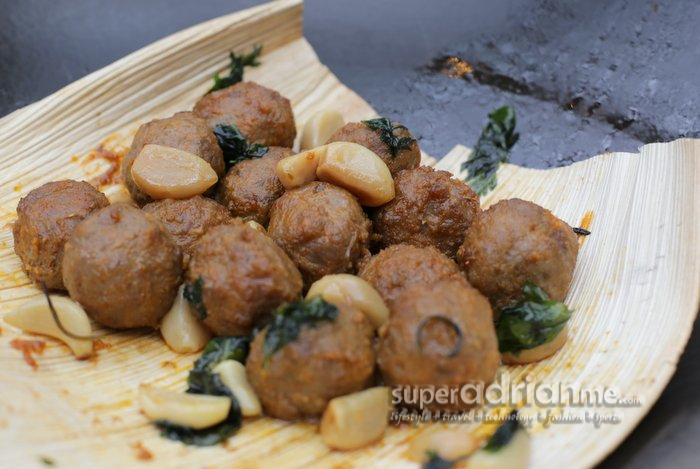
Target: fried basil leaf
x=288 y=320
x=492 y=149
x=504 y=434
x=193 y=295
x=235 y=146
x=219 y=349
x=531 y=322
x=386 y=129
x=435 y=461
x=238 y=63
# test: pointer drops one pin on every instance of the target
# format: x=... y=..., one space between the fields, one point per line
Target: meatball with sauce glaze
x=252 y=186
x=188 y=219
x=322 y=228
x=516 y=241
x=331 y=359
x=358 y=132
x=184 y=131
x=46 y=217
x=123 y=267
x=244 y=276
x=262 y=115
x=403 y=265
x=440 y=335
x=431 y=208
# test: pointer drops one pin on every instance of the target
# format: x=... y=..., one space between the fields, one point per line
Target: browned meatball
x=403 y=265
x=45 y=219
x=515 y=241
x=183 y=131
x=323 y=229
x=431 y=208
x=332 y=359
x=188 y=219
x=439 y=335
x=244 y=277
x=357 y=132
x=251 y=186
x=123 y=267
x=262 y=115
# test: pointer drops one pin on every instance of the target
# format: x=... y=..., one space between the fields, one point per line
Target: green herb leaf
x=288 y=319
x=47 y=461
x=193 y=295
x=219 y=349
x=492 y=149
x=205 y=383
x=533 y=321
x=504 y=434
x=435 y=461
x=386 y=129
x=238 y=63
x=235 y=146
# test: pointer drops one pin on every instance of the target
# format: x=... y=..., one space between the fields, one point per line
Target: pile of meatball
x=443 y=267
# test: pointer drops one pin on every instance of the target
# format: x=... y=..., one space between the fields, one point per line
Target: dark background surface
x=583 y=76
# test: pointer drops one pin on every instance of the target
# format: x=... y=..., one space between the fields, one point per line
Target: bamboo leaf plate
x=635 y=292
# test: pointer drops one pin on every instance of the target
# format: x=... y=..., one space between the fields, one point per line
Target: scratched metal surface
x=583 y=77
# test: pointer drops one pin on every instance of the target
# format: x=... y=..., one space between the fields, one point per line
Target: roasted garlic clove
x=234 y=377
x=181 y=329
x=190 y=410
x=35 y=316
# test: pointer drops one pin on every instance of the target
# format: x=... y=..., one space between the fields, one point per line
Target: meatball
x=357 y=132
x=244 y=276
x=323 y=229
x=515 y=241
x=332 y=359
x=262 y=115
x=403 y=265
x=123 y=267
x=431 y=208
x=251 y=186
x=183 y=131
x=439 y=335
x=188 y=219
x=45 y=219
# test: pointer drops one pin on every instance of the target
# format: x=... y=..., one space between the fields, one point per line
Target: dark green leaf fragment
x=193 y=295
x=504 y=434
x=235 y=146
x=288 y=320
x=492 y=149
x=533 y=321
x=435 y=461
x=222 y=348
x=386 y=129
x=238 y=63
x=47 y=461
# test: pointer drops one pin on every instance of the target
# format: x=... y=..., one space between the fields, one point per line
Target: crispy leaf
x=435 y=461
x=386 y=129
x=504 y=434
x=235 y=146
x=193 y=295
x=288 y=320
x=238 y=63
x=533 y=321
x=492 y=149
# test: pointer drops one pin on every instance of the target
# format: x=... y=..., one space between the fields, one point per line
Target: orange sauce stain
x=142 y=454
x=586 y=225
x=28 y=348
x=101 y=345
x=17 y=188
x=110 y=152
x=169 y=364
